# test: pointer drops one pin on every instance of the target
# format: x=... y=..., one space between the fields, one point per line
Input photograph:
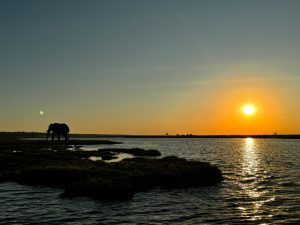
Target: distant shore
x=14 y=135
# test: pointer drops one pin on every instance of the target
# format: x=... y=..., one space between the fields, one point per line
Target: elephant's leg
x=66 y=138
x=58 y=137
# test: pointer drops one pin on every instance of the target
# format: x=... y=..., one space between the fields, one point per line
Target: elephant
x=58 y=129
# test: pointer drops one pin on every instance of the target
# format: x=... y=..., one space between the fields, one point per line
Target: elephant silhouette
x=58 y=129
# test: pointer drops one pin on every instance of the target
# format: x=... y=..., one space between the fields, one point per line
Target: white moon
x=41 y=112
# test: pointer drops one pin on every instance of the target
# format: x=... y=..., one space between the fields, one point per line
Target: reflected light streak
x=250 y=170
x=250 y=164
x=249 y=142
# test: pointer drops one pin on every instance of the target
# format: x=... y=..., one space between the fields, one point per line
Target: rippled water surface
x=262 y=185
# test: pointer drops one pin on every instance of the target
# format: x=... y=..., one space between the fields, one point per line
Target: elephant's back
x=65 y=127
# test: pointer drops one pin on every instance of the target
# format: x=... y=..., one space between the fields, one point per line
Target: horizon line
x=164 y=135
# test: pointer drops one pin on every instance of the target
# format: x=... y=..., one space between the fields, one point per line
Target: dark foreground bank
x=72 y=171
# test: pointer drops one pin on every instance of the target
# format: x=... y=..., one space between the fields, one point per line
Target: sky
x=150 y=67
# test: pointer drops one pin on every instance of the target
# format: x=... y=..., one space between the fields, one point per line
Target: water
x=262 y=186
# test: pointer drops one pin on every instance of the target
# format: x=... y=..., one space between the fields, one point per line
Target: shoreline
x=18 y=135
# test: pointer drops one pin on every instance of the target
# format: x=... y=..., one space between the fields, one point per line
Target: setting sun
x=249 y=109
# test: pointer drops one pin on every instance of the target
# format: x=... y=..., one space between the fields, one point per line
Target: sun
x=249 y=109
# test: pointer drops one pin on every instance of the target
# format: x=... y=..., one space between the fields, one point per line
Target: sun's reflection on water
x=250 y=162
x=250 y=183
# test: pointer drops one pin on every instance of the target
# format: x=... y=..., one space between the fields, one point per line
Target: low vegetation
x=34 y=163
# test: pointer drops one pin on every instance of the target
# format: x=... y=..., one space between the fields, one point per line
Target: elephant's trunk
x=48 y=131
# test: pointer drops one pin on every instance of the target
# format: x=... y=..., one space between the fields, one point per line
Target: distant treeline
x=13 y=135
x=279 y=136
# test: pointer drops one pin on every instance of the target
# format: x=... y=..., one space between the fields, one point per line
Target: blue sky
x=139 y=66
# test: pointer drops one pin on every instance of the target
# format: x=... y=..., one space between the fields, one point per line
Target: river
x=261 y=186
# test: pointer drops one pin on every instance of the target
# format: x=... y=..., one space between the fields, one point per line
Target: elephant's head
x=50 y=129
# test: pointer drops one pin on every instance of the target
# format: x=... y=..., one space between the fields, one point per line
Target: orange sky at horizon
x=220 y=113
x=209 y=108
x=223 y=114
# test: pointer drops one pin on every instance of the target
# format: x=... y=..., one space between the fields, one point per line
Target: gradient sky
x=150 y=67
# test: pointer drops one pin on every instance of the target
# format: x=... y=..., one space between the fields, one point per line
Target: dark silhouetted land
x=32 y=162
x=17 y=135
